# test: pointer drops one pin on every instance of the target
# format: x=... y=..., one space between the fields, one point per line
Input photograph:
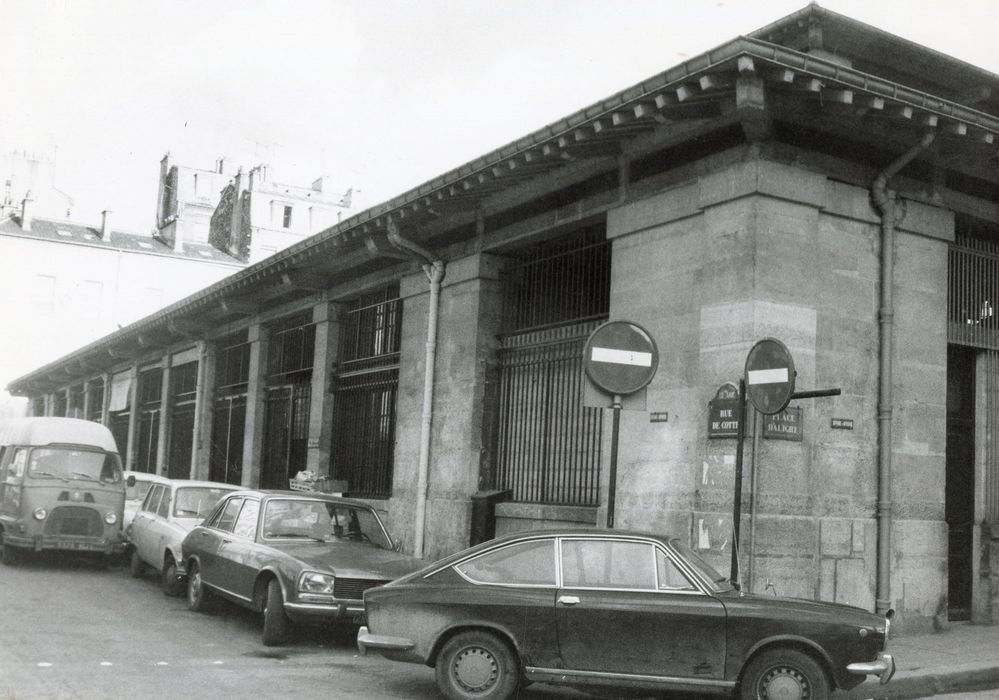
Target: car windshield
x=708 y=572
x=72 y=464
x=322 y=521
x=196 y=501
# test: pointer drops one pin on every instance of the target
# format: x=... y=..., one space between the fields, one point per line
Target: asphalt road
x=71 y=630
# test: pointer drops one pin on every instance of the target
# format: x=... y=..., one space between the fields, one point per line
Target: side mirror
x=130 y=481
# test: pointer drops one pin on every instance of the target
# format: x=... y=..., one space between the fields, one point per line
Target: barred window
x=547 y=447
x=365 y=387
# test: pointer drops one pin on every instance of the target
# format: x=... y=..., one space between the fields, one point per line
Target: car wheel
x=171 y=584
x=197 y=594
x=275 y=620
x=784 y=673
x=11 y=555
x=477 y=665
x=136 y=567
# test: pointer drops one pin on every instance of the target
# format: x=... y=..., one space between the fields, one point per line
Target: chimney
x=106 y=225
x=26 y=211
x=321 y=184
x=220 y=165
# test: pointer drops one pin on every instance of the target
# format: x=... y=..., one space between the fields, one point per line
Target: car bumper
x=41 y=543
x=317 y=612
x=883 y=667
x=392 y=647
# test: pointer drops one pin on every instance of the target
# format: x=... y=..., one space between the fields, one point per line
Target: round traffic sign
x=620 y=357
x=770 y=376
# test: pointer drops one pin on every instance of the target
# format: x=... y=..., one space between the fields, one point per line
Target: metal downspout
x=433 y=267
x=885 y=201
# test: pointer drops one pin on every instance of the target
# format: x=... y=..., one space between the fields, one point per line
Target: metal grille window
x=290 y=356
x=292 y=346
x=75 y=409
x=183 y=391
x=973 y=283
x=95 y=400
x=232 y=367
x=232 y=371
x=59 y=404
x=149 y=395
x=364 y=394
x=548 y=445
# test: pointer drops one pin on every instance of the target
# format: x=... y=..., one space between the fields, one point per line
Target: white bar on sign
x=768 y=376
x=622 y=357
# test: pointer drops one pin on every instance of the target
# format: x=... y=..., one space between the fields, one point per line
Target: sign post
x=620 y=358
x=768 y=383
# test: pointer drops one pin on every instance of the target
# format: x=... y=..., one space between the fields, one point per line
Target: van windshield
x=69 y=464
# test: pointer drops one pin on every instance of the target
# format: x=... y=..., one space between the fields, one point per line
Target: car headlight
x=110 y=518
x=316 y=583
x=40 y=513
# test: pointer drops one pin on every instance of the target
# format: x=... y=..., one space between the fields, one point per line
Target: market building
x=817 y=181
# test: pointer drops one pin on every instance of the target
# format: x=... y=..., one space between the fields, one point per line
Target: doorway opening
x=959 y=506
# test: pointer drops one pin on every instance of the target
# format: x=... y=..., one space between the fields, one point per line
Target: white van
x=61 y=488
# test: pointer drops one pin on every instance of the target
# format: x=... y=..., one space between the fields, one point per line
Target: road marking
x=106 y=663
x=162 y=663
x=768 y=376
x=44 y=664
x=621 y=357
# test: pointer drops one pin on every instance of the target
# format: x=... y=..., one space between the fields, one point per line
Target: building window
x=59 y=404
x=183 y=392
x=547 y=445
x=286 y=220
x=95 y=400
x=290 y=356
x=232 y=374
x=150 y=394
x=365 y=387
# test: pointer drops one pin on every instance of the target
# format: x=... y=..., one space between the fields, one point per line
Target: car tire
x=136 y=567
x=784 y=673
x=11 y=555
x=197 y=594
x=170 y=583
x=275 y=620
x=477 y=665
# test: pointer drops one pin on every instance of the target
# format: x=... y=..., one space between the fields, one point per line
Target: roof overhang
x=746 y=79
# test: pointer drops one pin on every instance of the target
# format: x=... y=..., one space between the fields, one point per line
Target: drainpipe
x=886 y=202
x=433 y=267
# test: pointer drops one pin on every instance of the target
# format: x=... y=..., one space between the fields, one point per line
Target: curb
x=928 y=685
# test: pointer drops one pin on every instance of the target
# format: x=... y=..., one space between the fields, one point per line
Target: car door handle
x=568 y=599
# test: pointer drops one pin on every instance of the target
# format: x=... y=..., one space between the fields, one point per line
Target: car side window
x=600 y=563
x=525 y=563
x=246 y=522
x=152 y=499
x=670 y=577
x=227 y=516
x=163 y=509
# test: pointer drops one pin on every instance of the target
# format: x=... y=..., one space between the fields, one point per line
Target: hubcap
x=475 y=669
x=783 y=683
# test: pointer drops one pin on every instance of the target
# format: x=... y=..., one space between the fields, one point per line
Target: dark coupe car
x=606 y=607
x=295 y=557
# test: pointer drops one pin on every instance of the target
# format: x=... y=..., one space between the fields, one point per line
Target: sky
x=378 y=95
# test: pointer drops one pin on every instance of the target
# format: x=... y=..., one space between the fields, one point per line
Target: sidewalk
x=962 y=657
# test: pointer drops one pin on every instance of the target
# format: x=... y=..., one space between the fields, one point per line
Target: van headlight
x=110 y=518
x=40 y=513
x=315 y=583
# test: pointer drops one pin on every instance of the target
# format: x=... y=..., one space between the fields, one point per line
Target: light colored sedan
x=171 y=509
x=136 y=487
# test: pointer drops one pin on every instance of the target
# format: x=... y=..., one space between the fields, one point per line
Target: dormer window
x=286 y=222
